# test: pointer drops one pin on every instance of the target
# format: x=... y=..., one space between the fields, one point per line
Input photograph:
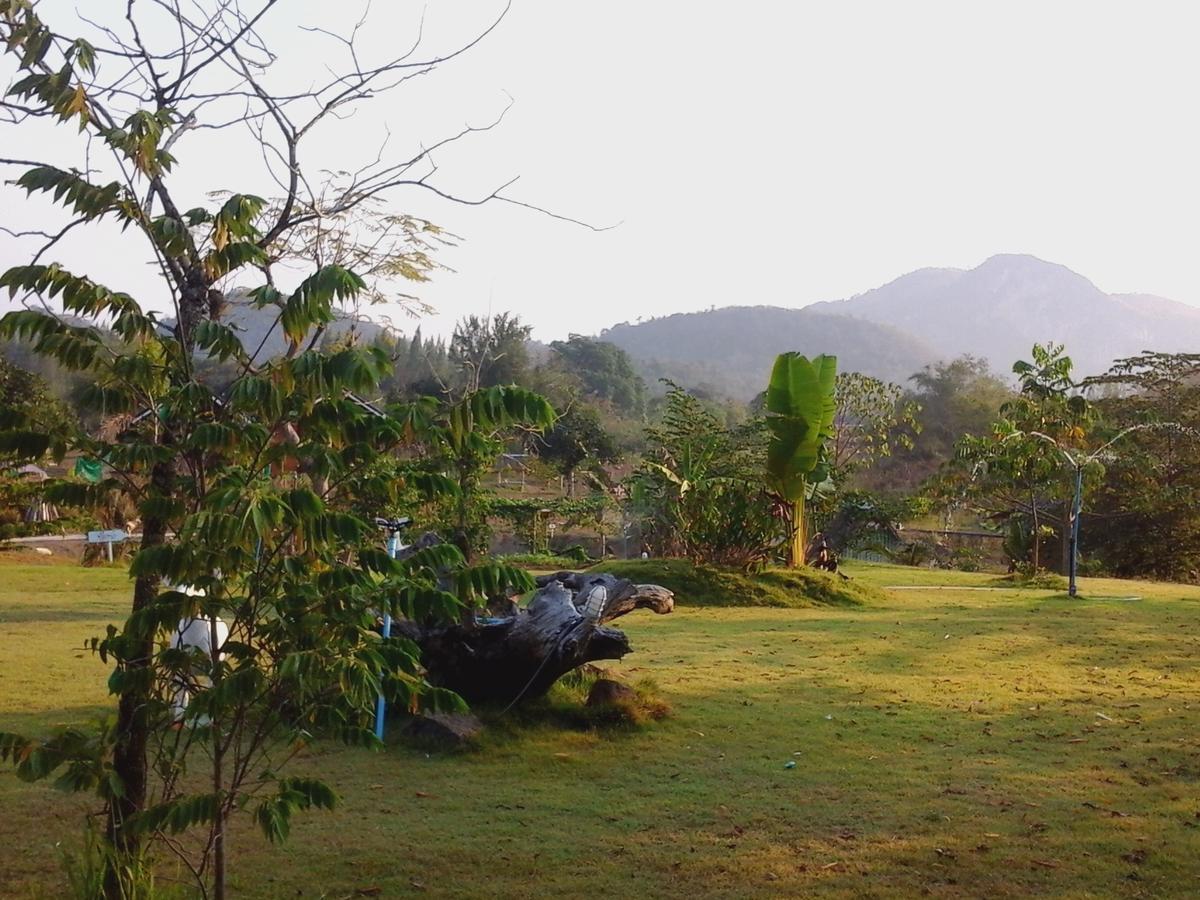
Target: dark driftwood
x=519 y=657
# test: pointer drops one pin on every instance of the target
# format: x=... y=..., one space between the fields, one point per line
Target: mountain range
x=996 y=311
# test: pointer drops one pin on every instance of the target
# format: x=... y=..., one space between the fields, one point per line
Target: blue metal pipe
x=393 y=547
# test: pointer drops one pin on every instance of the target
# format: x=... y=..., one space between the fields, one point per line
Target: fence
x=989 y=546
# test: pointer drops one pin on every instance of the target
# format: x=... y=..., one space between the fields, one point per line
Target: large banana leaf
x=801 y=408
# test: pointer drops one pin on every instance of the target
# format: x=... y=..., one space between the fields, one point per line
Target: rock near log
x=449 y=730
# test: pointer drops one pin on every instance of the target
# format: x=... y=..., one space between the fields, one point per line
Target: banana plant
x=800 y=411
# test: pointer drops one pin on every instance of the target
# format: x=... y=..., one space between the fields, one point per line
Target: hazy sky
x=779 y=153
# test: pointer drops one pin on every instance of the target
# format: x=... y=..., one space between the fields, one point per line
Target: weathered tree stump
x=519 y=657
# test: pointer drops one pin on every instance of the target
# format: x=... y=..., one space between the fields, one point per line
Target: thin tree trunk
x=1037 y=538
x=462 y=538
x=218 y=773
x=799 y=534
x=133 y=730
x=218 y=830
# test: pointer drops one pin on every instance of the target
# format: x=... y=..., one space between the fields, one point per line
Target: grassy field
x=955 y=738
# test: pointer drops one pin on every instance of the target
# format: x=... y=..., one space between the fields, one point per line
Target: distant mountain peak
x=1020 y=260
x=996 y=310
x=1026 y=266
x=1010 y=301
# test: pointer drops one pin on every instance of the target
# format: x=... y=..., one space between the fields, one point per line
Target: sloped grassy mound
x=712 y=586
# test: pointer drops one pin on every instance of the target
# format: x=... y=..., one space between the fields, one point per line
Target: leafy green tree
x=279 y=560
x=605 y=372
x=953 y=399
x=872 y=416
x=1144 y=515
x=1018 y=469
x=801 y=407
x=491 y=351
x=1048 y=377
x=250 y=477
x=24 y=395
x=577 y=438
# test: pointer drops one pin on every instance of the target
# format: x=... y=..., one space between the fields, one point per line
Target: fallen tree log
x=519 y=657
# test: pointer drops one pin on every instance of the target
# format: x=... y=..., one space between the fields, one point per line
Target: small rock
x=43 y=551
x=445 y=729
x=606 y=692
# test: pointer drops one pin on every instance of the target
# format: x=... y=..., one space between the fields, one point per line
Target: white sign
x=106 y=537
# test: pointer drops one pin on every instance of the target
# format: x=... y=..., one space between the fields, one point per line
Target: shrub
x=967 y=559
x=699 y=490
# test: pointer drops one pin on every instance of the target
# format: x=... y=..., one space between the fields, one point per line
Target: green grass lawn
x=950 y=742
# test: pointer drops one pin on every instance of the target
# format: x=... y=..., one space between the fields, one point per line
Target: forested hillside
x=730 y=351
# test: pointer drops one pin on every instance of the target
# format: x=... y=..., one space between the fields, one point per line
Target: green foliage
x=801 y=406
x=861 y=518
x=491 y=351
x=604 y=370
x=420 y=367
x=1144 y=514
x=954 y=399
x=83 y=198
x=531 y=515
x=242 y=481
x=1025 y=468
x=871 y=417
x=907 y=553
x=274 y=814
x=88 y=868
x=698 y=490
x=578 y=437
x=300 y=574
x=294 y=574
x=461 y=441
x=967 y=559
x=27 y=404
x=1018 y=541
x=1048 y=375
